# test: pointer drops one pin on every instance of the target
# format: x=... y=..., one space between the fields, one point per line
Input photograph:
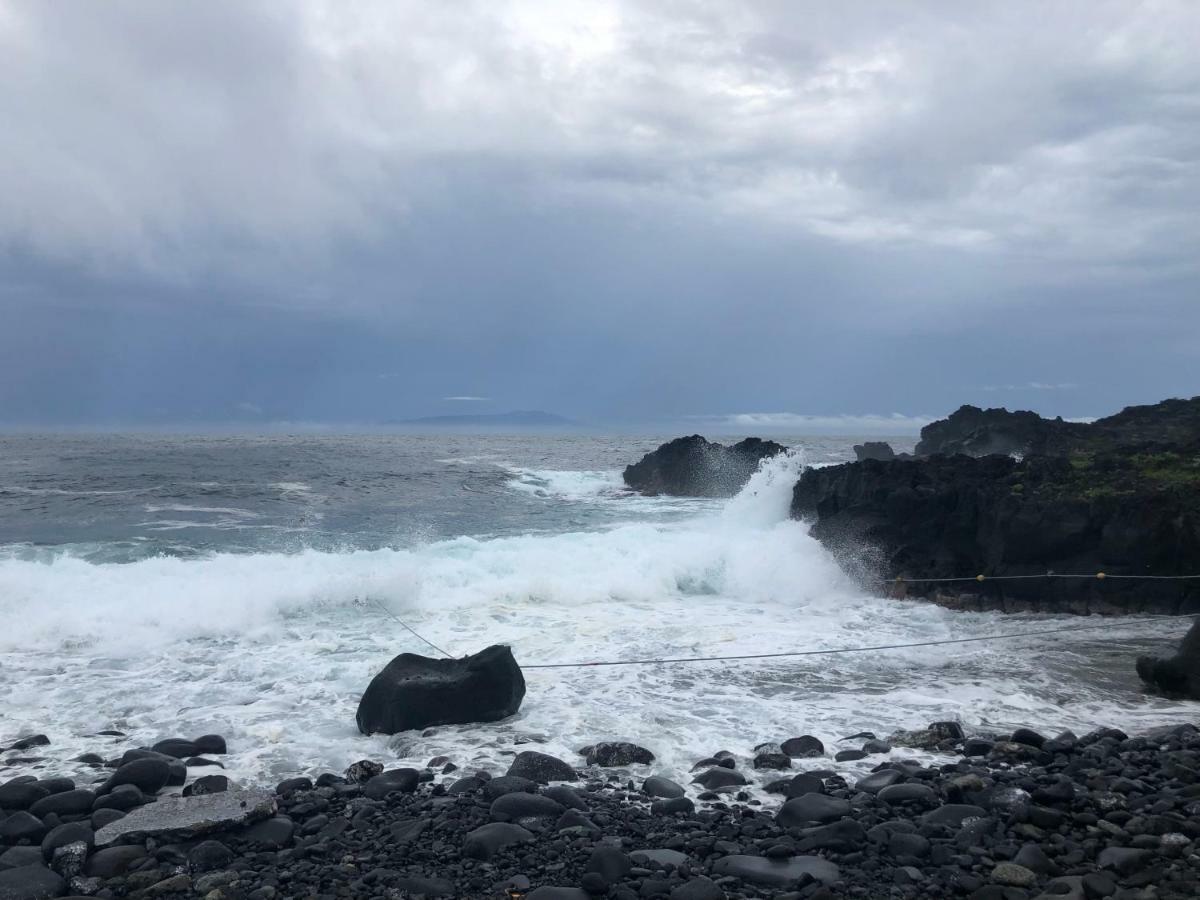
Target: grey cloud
x=173 y=134
x=610 y=209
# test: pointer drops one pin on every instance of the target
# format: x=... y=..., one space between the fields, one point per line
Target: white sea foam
x=186 y=508
x=273 y=649
x=586 y=485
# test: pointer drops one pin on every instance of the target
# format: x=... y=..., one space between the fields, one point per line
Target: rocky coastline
x=1011 y=496
x=1001 y=494
x=941 y=814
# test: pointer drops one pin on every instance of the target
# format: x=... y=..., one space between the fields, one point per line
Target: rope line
x=794 y=653
x=1099 y=576
x=827 y=652
x=388 y=612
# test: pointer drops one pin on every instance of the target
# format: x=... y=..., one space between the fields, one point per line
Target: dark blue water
x=129 y=497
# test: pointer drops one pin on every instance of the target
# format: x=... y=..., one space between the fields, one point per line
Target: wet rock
x=425 y=887
x=776 y=872
x=843 y=836
x=102 y=817
x=698 y=889
x=208 y=856
x=123 y=797
x=908 y=793
x=207 y=784
x=179 y=748
x=211 y=743
x=672 y=806
x=1029 y=737
x=694 y=467
x=1124 y=861
x=1097 y=885
x=849 y=755
x=610 y=862
x=363 y=771
x=28 y=743
x=541 y=767
x=190 y=817
x=113 y=861
x=1013 y=875
x=718 y=778
x=22 y=826
x=273 y=833
x=417 y=691
x=953 y=814
x=555 y=892
x=913 y=846
x=797 y=786
x=149 y=775
x=1034 y=858
x=291 y=785
x=877 y=781
x=576 y=822
x=62 y=835
x=565 y=795
x=977 y=747
x=811 y=808
x=771 y=756
x=616 y=753
x=31 y=883
x=507 y=784
x=657 y=786
x=520 y=807
x=880 y=450
x=15 y=857
x=484 y=842
x=67 y=803
x=468 y=785
x=1178 y=675
x=667 y=859
x=930 y=738
x=402 y=780
x=20 y=795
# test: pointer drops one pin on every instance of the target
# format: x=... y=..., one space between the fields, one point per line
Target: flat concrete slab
x=180 y=818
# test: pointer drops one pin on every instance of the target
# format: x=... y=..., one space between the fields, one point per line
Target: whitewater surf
x=268 y=606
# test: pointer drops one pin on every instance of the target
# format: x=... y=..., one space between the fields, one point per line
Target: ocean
x=250 y=586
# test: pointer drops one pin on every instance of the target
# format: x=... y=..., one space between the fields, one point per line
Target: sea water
x=252 y=586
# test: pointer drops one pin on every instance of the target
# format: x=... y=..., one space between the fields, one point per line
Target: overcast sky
x=737 y=211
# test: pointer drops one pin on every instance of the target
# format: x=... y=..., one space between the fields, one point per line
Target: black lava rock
x=694 y=467
x=416 y=691
x=541 y=767
x=616 y=753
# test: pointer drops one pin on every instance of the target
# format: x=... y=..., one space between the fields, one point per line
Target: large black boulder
x=695 y=467
x=417 y=691
x=1178 y=675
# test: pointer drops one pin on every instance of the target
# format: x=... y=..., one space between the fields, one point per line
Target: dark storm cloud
x=621 y=212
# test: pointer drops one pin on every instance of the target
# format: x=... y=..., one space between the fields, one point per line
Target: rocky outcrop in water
x=972 y=431
x=1178 y=675
x=880 y=450
x=417 y=691
x=696 y=467
x=1112 y=500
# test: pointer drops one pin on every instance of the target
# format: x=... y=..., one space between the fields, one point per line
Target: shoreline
x=1021 y=816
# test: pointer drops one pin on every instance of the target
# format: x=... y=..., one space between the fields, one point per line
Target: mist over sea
x=162 y=585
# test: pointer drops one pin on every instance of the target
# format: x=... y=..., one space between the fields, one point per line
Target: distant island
x=522 y=417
